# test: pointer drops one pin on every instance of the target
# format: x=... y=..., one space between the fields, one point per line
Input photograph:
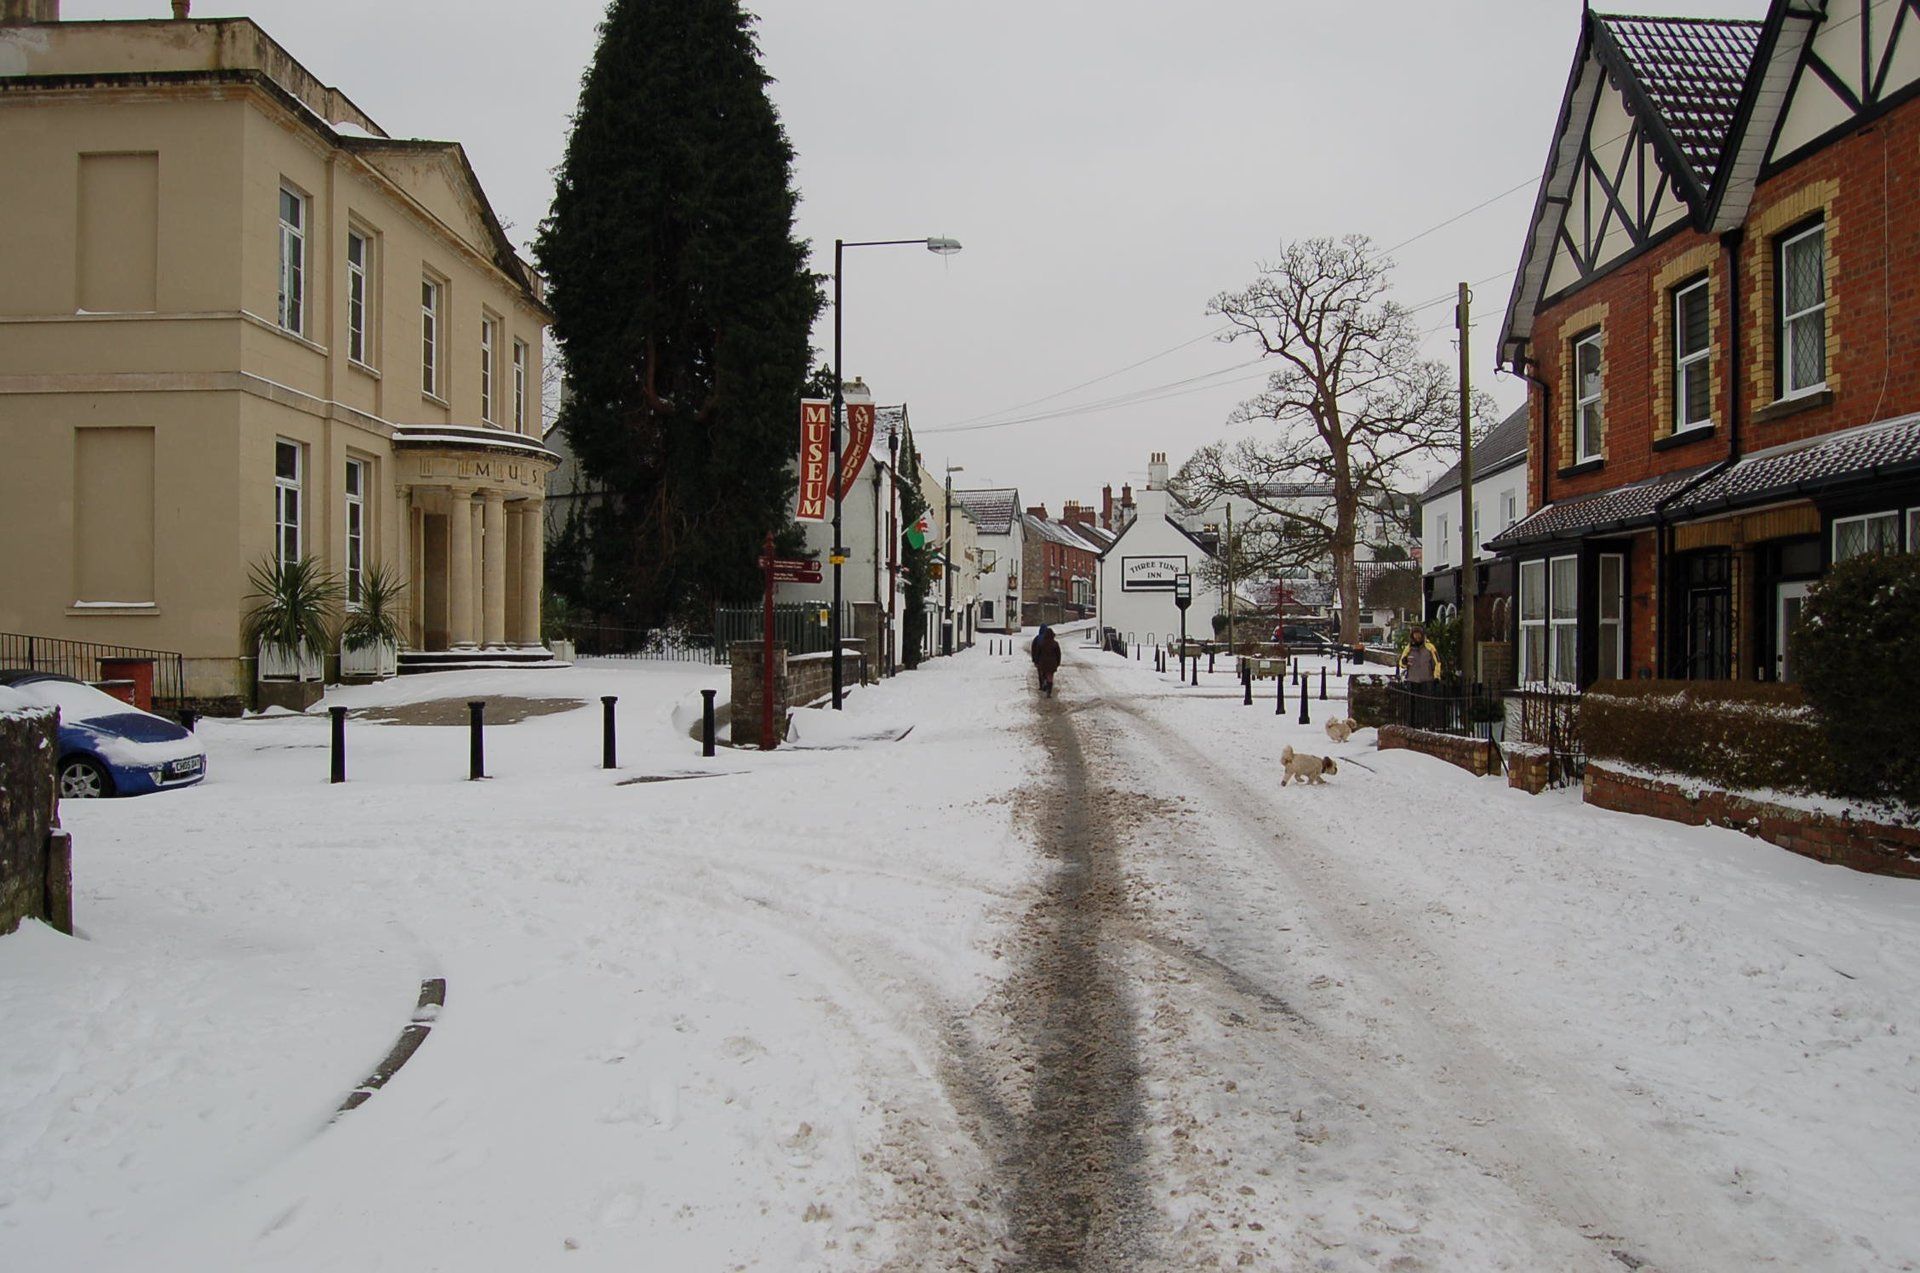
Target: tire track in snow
x=1076 y=1195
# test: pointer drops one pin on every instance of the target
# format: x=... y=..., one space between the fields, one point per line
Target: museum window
x=1589 y=413
x=1692 y=358
x=431 y=293
x=356 y=563
x=489 y=341
x=1801 y=338
x=289 y=474
x=359 y=257
x=521 y=360
x=293 y=260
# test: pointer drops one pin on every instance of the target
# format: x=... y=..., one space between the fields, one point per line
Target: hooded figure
x=1046 y=658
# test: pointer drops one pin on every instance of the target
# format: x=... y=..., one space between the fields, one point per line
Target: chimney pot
x=182 y=9
x=12 y=11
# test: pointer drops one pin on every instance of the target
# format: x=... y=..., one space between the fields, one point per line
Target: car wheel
x=82 y=779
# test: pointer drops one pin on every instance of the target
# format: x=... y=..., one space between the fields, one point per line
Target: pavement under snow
x=970 y=979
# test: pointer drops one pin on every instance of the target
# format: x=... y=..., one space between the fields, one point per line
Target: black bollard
x=706 y=721
x=339 y=715
x=1136 y=652
x=1280 y=696
x=1303 y=705
x=1339 y=656
x=606 y=730
x=1209 y=662
x=1246 y=681
x=188 y=719
x=476 y=744
x=1323 y=685
x=1196 y=671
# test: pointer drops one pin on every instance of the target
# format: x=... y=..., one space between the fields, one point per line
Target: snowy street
x=967 y=978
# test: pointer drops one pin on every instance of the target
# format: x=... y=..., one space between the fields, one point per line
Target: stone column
x=416 y=574
x=460 y=572
x=493 y=552
x=533 y=556
x=476 y=595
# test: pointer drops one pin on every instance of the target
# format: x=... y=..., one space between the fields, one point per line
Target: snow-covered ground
x=760 y=1017
x=689 y=1024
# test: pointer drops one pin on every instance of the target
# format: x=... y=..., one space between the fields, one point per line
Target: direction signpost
x=1183 y=597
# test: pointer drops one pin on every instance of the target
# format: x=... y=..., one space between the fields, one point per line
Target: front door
x=1789 y=600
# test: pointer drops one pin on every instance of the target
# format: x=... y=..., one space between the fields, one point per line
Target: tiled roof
x=1058 y=532
x=1616 y=509
x=1693 y=70
x=1500 y=446
x=1871 y=451
x=994 y=510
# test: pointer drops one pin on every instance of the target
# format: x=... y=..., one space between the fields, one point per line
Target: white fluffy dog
x=1308 y=769
x=1341 y=730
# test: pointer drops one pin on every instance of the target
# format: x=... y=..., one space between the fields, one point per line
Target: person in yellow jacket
x=1419 y=662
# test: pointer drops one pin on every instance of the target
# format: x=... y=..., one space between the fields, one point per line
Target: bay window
x=1869 y=533
x=1563 y=608
x=1533 y=622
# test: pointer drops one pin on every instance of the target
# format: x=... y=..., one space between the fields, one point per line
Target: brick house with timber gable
x=1716 y=306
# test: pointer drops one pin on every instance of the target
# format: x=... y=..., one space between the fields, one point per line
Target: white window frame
x=1446 y=552
x=292 y=310
x=357 y=295
x=489 y=342
x=1685 y=361
x=1509 y=509
x=432 y=306
x=1563 y=675
x=1586 y=445
x=354 y=577
x=1794 y=321
x=289 y=502
x=1890 y=514
x=1476 y=529
x=522 y=359
x=1618 y=595
x=1533 y=632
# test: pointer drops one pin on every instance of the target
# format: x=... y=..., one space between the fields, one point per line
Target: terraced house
x=240 y=323
x=1717 y=304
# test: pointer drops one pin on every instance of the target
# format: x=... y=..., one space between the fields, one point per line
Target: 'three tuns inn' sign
x=1150 y=574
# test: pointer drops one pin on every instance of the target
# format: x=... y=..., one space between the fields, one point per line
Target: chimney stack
x=182 y=9
x=1106 y=506
x=1037 y=510
x=1157 y=471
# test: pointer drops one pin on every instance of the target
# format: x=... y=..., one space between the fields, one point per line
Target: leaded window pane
x=1805 y=280
x=1808 y=343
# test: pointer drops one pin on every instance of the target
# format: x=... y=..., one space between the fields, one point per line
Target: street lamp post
x=948 y=637
x=940 y=247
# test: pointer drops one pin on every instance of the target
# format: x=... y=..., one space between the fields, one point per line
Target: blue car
x=107 y=747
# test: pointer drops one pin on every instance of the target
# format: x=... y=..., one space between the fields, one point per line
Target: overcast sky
x=1108 y=166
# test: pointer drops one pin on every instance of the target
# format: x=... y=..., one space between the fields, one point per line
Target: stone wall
x=36 y=879
x=1472 y=754
x=746 y=660
x=1839 y=838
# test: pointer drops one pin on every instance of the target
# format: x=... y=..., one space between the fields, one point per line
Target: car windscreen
x=76 y=702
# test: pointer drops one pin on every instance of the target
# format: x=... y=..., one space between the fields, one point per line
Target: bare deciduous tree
x=1352 y=401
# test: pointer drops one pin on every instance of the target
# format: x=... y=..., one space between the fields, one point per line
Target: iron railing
x=82 y=661
x=1550 y=720
x=607 y=641
x=1443 y=707
x=797 y=625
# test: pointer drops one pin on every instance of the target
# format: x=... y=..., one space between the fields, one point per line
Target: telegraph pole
x=1229 y=577
x=1469 y=570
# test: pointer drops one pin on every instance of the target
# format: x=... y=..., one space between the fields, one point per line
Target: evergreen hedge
x=1856 y=642
x=1739 y=735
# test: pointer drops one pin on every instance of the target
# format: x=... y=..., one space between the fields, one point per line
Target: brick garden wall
x=1879 y=848
x=1472 y=754
x=35 y=876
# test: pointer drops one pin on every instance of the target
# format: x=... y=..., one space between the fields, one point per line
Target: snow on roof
x=1872 y=451
x=1692 y=70
x=1618 y=508
x=994 y=508
x=1502 y=445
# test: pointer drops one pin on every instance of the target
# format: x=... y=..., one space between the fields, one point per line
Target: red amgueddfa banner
x=859 y=443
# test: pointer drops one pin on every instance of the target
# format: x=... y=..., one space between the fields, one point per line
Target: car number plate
x=191 y=765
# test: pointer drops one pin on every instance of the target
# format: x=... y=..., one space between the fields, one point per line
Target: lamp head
x=943 y=247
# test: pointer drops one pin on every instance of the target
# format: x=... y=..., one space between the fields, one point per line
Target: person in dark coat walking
x=1046 y=658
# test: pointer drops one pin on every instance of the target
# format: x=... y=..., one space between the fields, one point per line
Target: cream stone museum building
x=240 y=324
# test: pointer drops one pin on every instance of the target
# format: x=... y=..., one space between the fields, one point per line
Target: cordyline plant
x=296 y=601
x=376 y=619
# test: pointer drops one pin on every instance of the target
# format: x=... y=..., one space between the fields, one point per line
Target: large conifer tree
x=682 y=305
